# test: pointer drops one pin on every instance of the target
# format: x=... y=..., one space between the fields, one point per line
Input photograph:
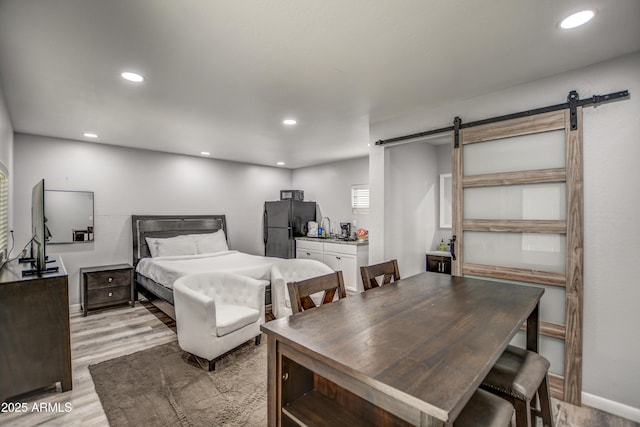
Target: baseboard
x=75 y=307
x=615 y=408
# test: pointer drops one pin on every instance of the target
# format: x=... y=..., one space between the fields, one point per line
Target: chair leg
x=258 y=337
x=523 y=413
x=545 y=402
x=211 y=365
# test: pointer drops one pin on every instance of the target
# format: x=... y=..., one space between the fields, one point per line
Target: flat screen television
x=38 y=258
x=38 y=244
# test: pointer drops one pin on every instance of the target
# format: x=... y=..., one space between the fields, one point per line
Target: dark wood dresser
x=106 y=286
x=35 y=349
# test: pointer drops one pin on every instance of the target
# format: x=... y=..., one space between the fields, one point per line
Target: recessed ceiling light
x=205 y=153
x=289 y=122
x=280 y=163
x=577 y=19
x=132 y=77
x=90 y=135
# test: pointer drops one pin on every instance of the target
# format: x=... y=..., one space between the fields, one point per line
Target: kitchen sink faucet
x=322 y=224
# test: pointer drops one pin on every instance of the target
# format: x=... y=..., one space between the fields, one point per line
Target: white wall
x=129 y=181
x=611 y=366
x=411 y=205
x=330 y=186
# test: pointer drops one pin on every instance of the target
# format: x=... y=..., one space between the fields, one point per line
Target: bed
x=154 y=276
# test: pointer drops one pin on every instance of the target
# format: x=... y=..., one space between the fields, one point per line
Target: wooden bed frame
x=166 y=226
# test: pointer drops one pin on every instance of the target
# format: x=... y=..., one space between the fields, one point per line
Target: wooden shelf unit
x=309 y=399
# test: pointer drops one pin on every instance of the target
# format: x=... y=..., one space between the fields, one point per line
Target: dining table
x=410 y=353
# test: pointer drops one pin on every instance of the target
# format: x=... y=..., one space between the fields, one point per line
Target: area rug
x=159 y=387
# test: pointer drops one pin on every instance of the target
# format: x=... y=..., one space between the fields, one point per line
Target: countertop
x=439 y=253
x=334 y=240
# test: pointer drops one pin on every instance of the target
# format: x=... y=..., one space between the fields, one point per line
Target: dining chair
x=486 y=410
x=517 y=376
x=389 y=270
x=301 y=293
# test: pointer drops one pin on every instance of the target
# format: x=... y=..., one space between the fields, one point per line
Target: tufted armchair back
x=291 y=270
x=225 y=288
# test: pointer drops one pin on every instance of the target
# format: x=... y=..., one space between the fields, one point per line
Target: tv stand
x=36 y=272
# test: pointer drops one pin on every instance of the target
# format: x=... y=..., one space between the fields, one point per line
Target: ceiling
x=221 y=75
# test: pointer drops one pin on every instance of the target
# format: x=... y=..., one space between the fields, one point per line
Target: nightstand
x=106 y=286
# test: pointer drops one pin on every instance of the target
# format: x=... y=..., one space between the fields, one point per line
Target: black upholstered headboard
x=170 y=226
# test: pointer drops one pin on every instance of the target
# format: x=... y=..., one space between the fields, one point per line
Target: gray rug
x=159 y=387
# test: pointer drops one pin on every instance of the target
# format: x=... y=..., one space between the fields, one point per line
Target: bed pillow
x=210 y=242
x=179 y=245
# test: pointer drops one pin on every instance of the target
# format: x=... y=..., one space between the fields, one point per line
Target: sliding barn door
x=518 y=217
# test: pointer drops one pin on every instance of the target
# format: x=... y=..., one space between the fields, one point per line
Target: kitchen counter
x=334 y=240
x=439 y=253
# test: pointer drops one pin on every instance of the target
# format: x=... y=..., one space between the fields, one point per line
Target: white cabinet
x=306 y=249
x=348 y=264
x=346 y=257
x=309 y=254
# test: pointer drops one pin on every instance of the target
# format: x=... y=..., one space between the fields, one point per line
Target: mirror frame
x=445 y=201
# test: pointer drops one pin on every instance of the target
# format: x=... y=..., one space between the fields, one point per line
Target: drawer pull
x=110 y=294
x=308 y=254
x=110 y=279
x=338 y=257
x=285 y=376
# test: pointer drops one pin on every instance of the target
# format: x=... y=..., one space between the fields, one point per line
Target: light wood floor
x=116 y=332
x=95 y=338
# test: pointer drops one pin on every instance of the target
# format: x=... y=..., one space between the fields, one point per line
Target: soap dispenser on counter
x=443 y=246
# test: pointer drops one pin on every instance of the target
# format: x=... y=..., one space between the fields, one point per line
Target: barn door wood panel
x=505 y=229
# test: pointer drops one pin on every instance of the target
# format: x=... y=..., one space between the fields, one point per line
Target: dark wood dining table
x=409 y=353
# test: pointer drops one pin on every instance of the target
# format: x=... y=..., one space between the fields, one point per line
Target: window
x=360 y=199
x=4 y=213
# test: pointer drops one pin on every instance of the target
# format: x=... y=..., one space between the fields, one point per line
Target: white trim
x=615 y=408
x=75 y=307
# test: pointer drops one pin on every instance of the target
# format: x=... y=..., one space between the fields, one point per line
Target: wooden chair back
x=389 y=270
x=299 y=292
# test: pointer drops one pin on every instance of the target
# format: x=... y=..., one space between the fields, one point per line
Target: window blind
x=360 y=199
x=4 y=212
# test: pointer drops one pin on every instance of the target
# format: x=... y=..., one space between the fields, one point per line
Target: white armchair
x=217 y=312
x=291 y=270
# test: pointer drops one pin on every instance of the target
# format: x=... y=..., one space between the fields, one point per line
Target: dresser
x=106 y=286
x=35 y=350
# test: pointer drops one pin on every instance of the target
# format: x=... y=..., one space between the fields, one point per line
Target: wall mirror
x=68 y=216
x=445 y=200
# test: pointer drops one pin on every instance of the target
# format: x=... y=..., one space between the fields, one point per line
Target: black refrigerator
x=282 y=222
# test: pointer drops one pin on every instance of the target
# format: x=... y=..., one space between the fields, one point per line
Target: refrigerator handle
x=264 y=226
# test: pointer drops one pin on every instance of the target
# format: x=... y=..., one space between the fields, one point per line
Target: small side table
x=106 y=286
x=439 y=262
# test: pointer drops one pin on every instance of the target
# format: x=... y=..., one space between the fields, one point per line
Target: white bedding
x=166 y=270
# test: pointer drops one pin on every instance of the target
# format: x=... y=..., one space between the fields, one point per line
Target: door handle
x=264 y=225
x=452 y=243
